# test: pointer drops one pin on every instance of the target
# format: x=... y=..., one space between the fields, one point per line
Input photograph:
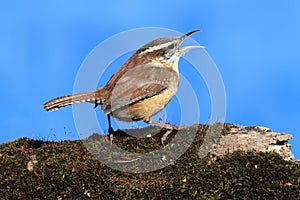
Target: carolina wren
x=142 y=87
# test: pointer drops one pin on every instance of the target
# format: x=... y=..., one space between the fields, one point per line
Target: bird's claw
x=165 y=135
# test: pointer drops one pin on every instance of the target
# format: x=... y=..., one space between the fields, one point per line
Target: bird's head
x=166 y=50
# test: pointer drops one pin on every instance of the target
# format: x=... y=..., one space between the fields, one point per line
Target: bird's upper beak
x=183 y=50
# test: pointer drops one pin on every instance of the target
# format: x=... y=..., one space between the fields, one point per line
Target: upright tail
x=97 y=97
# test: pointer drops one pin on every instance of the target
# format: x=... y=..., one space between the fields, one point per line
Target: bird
x=141 y=87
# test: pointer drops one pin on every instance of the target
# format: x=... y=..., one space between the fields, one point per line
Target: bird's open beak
x=183 y=50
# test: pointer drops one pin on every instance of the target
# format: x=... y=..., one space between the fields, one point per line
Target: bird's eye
x=171 y=46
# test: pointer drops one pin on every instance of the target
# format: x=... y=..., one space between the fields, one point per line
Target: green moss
x=67 y=170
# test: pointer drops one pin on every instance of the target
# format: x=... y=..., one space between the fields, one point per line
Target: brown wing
x=139 y=83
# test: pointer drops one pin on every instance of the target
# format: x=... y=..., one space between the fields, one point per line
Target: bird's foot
x=170 y=128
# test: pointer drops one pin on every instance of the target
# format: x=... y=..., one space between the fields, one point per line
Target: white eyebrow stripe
x=156 y=47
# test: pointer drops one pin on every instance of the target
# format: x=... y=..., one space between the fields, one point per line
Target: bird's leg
x=110 y=129
x=169 y=128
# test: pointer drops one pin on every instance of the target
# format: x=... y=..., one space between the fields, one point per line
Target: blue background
x=255 y=45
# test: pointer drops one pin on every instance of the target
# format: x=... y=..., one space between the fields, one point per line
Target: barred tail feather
x=63 y=101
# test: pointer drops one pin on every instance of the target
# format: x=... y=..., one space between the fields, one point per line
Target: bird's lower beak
x=183 y=50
